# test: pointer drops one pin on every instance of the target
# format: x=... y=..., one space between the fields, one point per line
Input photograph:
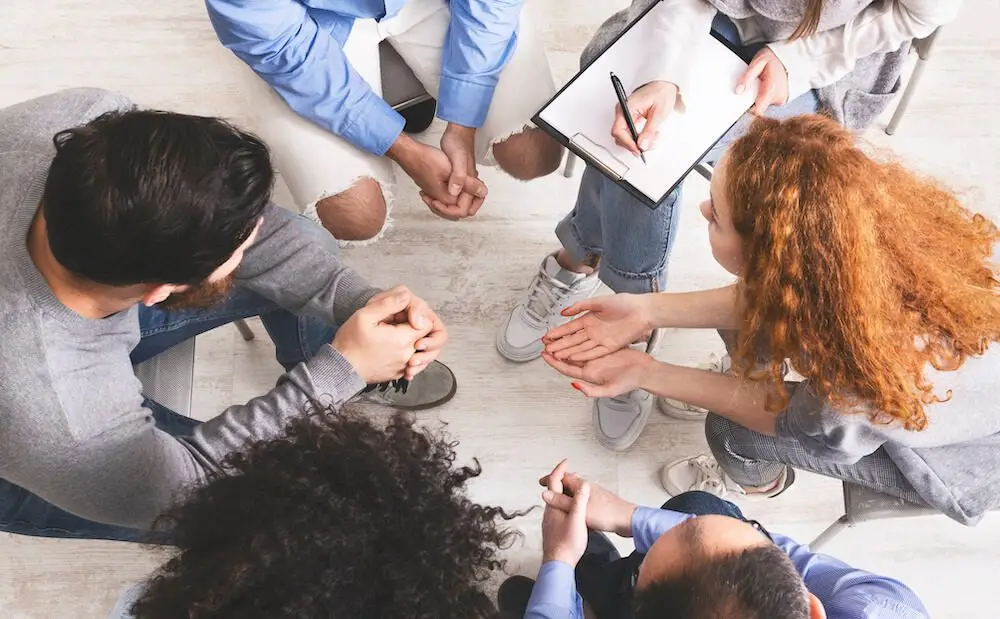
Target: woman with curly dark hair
x=874 y=284
x=338 y=519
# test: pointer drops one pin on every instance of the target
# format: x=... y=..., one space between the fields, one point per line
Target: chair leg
x=571 y=160
x=904 y=101
x=244 y=329
x=831 y=532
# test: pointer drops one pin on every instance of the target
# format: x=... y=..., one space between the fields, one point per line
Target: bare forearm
x=403 y=150
x=740 y=401
x=718 y=308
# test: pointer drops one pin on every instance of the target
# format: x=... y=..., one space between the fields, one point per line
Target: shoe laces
x=399 y=386
x=544 y=293
x=709 y=476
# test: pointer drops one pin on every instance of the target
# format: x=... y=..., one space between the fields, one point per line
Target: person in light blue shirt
x=315 y=92
x=696 y=557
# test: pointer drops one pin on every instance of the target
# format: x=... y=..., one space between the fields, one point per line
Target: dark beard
x=205 y=295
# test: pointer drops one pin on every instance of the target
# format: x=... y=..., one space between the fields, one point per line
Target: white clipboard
x=581 y=114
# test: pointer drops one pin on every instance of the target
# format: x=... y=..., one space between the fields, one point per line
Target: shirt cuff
x=463 y=103
x=555 y=587
x=333 y=377
x=373 y=126
x=798 y=66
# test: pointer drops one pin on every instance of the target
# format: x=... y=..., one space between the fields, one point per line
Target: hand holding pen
x=652 y=102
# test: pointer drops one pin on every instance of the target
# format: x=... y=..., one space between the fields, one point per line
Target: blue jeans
x=632 y=241
x=607 y=582
x=296 y=339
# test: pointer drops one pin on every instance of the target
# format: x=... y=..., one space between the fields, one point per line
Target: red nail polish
x=577 y=387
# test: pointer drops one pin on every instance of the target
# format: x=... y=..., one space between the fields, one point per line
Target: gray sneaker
x=619 y=421
x=552 y=290
x=433 y=387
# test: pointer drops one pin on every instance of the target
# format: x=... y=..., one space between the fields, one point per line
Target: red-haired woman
x=872 y=283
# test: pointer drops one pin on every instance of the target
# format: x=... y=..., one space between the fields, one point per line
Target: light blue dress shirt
x=296 y=46
x=846 y=592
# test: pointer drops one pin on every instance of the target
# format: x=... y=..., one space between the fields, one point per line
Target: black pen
x=623 y=102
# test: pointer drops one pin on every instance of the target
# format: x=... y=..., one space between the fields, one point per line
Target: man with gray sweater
x=126 y=232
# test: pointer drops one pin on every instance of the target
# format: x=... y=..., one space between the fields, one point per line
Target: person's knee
x=718 y=434
x=529 y=154
x=355 y=214
x=550 y=153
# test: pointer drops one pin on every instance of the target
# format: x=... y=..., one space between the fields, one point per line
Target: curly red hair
x=858 y=271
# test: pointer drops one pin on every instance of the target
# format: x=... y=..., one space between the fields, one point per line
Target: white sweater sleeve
x=678 y=27
x=823 y=58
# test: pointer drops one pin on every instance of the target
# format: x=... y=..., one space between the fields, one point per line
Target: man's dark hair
x=153 y=197
x=759 y=582
x=338 y=519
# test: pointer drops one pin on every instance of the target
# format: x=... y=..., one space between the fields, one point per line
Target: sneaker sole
x=522 y=355
x=619 y=444
x=439 y=402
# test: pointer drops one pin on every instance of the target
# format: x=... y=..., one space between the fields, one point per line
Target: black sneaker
x=513 y=596
x=432 y=387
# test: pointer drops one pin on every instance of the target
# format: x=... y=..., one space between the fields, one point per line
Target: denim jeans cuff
x=616 y=280
x=570 y=242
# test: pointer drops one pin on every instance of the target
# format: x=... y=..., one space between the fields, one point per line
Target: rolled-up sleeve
x=825 y=432
x=481 y=40
x=285 y=46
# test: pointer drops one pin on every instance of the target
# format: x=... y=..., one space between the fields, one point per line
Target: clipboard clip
x=600 y=157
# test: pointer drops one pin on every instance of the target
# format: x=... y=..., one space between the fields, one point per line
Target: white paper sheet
x=587 y=107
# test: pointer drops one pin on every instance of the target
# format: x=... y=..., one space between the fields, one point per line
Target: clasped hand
x=448 y=179
x=396 y=335
x=573 y=505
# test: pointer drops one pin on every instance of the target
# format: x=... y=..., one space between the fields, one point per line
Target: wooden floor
x=519 y=420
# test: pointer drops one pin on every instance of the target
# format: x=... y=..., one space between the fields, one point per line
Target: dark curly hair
x=340 y=518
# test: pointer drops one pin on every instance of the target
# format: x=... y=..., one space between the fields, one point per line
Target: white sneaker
x=704 y=473
x=619 y=421
x=697 y=473
x=689 y=412
x=552 y=290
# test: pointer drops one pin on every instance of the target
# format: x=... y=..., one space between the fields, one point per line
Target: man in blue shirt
x=695 y=557
x=317 y=100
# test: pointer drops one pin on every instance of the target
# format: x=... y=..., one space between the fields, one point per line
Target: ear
x=159 y=293
x=816 y=610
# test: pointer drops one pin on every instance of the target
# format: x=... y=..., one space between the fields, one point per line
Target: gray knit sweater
x=72 y=425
